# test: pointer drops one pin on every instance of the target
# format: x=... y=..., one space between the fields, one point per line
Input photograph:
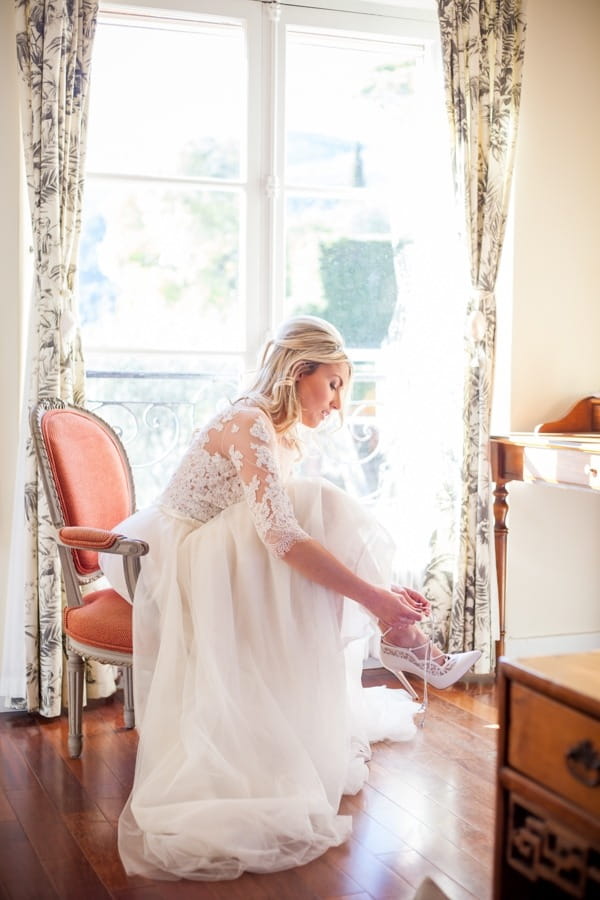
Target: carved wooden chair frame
x=79 y=544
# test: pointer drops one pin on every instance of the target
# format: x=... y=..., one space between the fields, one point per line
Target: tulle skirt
x=247 y=680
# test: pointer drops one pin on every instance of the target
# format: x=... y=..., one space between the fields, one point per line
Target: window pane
x=353 y=177
x=346 y=101
x=340 y=261
x=369 y=225
x=160 y=267
x=167 y=99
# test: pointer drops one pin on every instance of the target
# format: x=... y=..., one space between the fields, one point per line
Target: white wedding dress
x=247 y=676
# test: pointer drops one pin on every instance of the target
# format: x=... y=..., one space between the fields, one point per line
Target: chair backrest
x=86 y=474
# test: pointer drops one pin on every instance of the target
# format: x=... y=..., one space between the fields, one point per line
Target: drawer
x=561 y=465
x=557 y=746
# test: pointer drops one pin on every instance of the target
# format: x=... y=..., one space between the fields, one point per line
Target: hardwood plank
x=367 y=831
x=118 y=751
x=415 y=867
x=248 y=885
x=475 y=698
x=111 y=807
x=93 y=772
x=447 y=806
x=66 y=866
x=279 y=886
x=59 y=783
x=21 y=873
x=431 y=847
x=427 y=809
x=7 y=813
x=360 y=896
x=323 y=877
x=370 y=872
x=141 y=893
x=98 y=842
x=74 y=879
x=471 y=875
x=14 y=773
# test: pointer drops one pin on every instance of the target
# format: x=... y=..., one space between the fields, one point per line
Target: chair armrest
x=102 y=541
x=81 y=538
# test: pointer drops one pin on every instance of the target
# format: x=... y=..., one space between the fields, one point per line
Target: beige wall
x=553 y=584
x=551 y=357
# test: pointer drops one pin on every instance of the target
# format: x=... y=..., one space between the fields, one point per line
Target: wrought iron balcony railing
x=155 y=414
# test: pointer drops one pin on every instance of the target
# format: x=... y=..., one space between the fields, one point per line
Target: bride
x=251 y=617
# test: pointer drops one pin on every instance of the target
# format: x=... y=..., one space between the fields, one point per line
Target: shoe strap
x=427 y=659
x=428 y=643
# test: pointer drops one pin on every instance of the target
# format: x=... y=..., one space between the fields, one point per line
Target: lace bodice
x=237 y=456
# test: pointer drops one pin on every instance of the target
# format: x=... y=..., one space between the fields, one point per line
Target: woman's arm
x=397 y=607
x=249 y=441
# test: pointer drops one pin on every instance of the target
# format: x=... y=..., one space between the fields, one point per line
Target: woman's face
x=321 y=391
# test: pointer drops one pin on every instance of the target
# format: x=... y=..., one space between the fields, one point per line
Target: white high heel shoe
x=438 y=674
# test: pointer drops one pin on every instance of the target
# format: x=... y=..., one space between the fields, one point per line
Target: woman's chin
x=311 y=422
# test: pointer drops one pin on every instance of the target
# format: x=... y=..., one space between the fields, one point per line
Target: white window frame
x=262 y=260
x=263 y=256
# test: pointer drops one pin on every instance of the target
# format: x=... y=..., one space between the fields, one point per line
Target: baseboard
x=551 y=645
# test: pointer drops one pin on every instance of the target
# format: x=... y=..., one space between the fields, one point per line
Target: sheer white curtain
x=422 y=368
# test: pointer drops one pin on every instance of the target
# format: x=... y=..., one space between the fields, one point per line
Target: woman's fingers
x=397 y=609
x=406 y=610
x=413 y=598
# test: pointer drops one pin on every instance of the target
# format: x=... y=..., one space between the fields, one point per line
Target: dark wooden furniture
x=565 y=453
x=584 y=417
x=548 y=778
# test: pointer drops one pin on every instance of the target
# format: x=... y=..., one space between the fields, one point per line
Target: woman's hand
x=413 y=598
x=397 y=607
x=407 y=634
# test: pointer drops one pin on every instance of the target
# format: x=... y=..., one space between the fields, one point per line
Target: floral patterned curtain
x=483 y=50
x=54 y=43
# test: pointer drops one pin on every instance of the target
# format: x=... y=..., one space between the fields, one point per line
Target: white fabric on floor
x=251 y=715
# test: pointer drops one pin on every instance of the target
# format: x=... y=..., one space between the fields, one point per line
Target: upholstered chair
x=89 y=488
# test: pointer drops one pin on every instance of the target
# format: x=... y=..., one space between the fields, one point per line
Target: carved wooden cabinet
x=548 y=783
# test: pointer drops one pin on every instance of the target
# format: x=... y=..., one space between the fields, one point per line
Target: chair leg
x=75 y=666
x=128 y=710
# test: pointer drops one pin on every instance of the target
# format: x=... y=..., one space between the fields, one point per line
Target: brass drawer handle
x=583 y=762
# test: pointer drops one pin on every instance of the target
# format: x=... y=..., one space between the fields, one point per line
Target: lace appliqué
x=260 y=430
x=265 y=493
x=224 y=465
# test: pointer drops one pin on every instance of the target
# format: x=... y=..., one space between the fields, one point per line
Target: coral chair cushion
x=92 y=480
x=104 y=621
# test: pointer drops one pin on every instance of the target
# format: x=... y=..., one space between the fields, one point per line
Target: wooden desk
x=561 y=459
x=547 y=842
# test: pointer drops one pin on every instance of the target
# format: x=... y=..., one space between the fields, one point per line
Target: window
x=167 y=187
x=249 y=161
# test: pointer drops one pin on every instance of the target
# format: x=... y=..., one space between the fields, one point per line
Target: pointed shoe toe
x=452 y=670
x=438 y=675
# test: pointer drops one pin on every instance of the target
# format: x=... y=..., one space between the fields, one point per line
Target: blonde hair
x=300 y=346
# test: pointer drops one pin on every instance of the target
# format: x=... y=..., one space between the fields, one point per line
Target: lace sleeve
x=249 y=440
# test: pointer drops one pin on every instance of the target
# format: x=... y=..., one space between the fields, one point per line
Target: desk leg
x=500 y=541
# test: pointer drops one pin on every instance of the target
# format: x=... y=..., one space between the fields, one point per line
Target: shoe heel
x=405 y=682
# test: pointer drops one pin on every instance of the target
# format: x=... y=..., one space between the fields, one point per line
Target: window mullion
x=272 y=173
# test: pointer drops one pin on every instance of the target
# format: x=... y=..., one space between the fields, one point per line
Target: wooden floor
x=427 y=810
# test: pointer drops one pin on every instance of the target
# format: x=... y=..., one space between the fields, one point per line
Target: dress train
x=247 y=677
